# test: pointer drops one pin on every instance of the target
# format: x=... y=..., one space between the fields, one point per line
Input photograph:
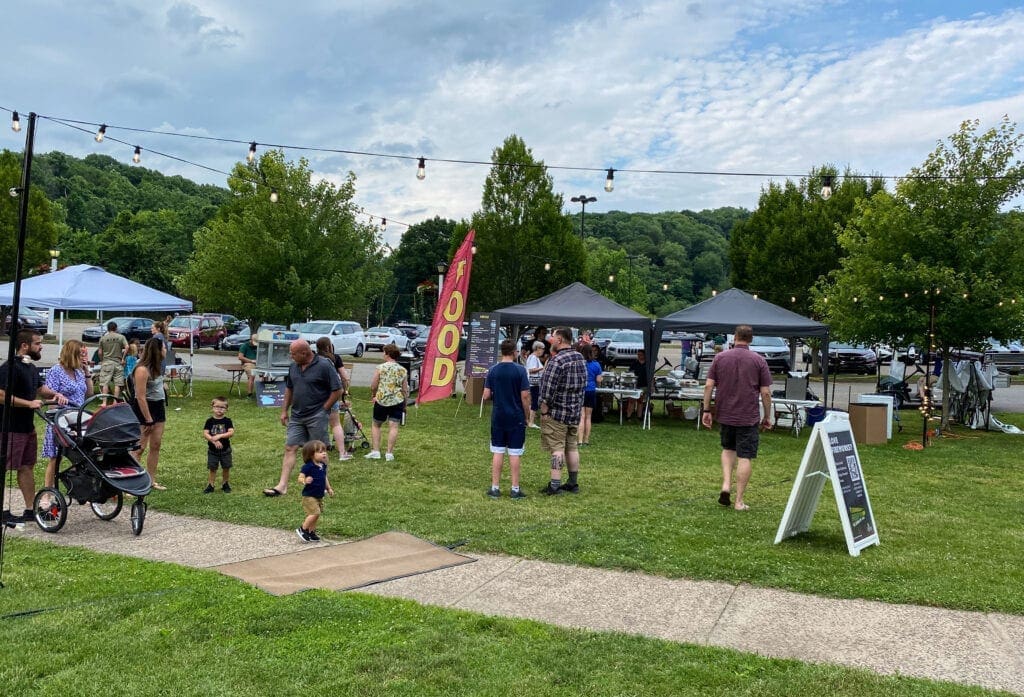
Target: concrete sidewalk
x=985 y=649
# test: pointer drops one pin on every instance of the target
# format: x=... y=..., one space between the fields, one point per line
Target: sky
x=717 y=86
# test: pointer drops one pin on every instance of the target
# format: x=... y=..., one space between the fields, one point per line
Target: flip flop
x=742 y=507
x=159 y=487
x=723 y=498
x=272 y=492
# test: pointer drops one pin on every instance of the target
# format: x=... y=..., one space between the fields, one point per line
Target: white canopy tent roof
x=85 y=287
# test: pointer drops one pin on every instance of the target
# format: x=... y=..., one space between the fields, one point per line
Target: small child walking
x=218 y=431
x=313 y=477
x=131 y=358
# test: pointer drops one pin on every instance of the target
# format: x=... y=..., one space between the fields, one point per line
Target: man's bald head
x=300 y=352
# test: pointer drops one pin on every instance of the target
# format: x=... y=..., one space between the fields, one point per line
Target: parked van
x=346 y=337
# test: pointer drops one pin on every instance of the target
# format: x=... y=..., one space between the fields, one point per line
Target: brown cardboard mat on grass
x=345 y=566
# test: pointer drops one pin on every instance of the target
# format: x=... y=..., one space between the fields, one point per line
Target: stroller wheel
x=108 y=510
x=366 y=445
x=50 y=509
x=138 y=516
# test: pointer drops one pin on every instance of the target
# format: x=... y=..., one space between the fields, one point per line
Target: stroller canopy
x=114 y=425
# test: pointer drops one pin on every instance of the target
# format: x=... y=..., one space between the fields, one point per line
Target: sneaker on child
x=313 y=537
x=226 y=488
x=303 y=534
x=208 y=489
x=389 y=457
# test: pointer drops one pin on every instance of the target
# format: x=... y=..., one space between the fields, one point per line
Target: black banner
x=484 y=349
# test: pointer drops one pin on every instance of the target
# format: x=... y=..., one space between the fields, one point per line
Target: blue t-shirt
x=507 y=381
x=593 y=370
x=318 y=488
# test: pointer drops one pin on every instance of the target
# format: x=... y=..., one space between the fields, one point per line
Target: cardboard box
x=474 y=390
x=868 y=423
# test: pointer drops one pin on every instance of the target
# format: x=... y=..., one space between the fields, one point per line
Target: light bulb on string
x=15 y=122
x=101 y=133
x=273 y=195
x=421 y=169
x=547 y=265
x=383 y=223
x=137 y=156
x=251 y=155
x=609 y=182
x=826 y=187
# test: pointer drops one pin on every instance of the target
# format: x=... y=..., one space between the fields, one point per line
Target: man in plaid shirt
x=561 y=403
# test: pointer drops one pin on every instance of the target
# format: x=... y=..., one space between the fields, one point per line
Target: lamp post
x=54 y=256
x=442 y=267
x=583 y=200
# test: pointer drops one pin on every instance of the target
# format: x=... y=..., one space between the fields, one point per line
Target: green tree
x=414 y=266
x=41 y=226
x=940 y=240
x=304 y=256
x=520 y=228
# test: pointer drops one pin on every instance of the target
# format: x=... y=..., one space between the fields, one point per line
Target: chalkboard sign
x=270 y=394
x=483 y=350
x=831 y=456
x=851 y=483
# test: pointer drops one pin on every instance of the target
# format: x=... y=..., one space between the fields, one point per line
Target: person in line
x=68 y=379
x=312 y=386
x=590 y=352
x=218 y=431
x=325 y=349
x=247 y=357
x=561 y=403
x=534 y=368
x=634 y=406
x=737 y=377
x=509 y=387
x=25 y=389
x=390 y=389
x=112 y=349
x=315 y=485
x=131 y=358
x=149 y=405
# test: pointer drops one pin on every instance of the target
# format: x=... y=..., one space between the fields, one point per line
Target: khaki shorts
x=558 y=437
x=312 y=506
x=248 y=367
x=111 y=372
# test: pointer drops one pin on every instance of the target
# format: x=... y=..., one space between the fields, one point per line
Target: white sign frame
x=818 y=466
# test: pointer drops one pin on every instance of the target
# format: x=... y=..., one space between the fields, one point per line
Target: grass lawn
x=81 y=623
x=948 y=517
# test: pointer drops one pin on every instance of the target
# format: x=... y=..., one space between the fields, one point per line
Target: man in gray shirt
x=311 y=389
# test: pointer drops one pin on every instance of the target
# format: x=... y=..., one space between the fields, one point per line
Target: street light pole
x=54 y=256
x=442 y=267
x=583 y=200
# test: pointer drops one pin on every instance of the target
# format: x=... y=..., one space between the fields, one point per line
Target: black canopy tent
x=576 y=305
x=722 y=313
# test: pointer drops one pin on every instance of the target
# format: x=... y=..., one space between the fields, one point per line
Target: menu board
x=484 y=349
x=851 y=483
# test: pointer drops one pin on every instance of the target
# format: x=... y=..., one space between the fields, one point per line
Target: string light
x=137 y=157
x=421 y=169
x=826 y=187
x=547 y=265
x=714 y=293
x=473 y=249
x=383 y=223
x=101 y=133
x=251 y=155
x=755 y=295
x=15 y=122
x=792 y=298
x=273 y=195
x=609 y=182
x=611 y=278
x=664 y=287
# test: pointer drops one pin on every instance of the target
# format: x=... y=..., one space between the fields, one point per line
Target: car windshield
x=183 y=322
x=628 y=337
x=317 y=328
x=845 y=345
x=379 y=330
x=769 y=341
x=605 y=333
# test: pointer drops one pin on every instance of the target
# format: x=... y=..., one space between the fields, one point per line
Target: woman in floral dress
x=69 y=379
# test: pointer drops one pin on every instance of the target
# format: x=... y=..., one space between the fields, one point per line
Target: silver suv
x=346 y=337
x=623 y=347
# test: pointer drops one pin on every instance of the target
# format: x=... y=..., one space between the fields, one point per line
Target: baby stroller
x=353 y=429
x=101 y=467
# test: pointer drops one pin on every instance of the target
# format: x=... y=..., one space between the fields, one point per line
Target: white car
x=379 y=337
x=623 y=347
x=346 y=337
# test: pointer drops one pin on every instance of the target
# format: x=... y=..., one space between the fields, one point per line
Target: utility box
x=868 y=423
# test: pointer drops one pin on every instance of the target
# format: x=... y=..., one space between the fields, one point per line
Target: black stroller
x=102 y=469
x=353 y=429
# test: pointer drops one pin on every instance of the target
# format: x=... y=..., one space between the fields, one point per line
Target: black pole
x=583 y=217
x=12 y=346
x=926 y=398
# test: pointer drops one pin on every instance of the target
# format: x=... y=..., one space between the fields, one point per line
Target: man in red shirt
x=737 y=377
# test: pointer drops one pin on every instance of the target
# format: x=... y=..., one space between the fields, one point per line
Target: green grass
x=947 y=516
x=87 y=624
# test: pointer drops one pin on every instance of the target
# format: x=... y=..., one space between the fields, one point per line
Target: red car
x=201 y=330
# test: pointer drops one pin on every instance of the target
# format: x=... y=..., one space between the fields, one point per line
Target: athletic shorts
x=312 y=506
x=743 y=439
x=512 y=440
x=157 y=409
x=392 y=413
x=301 y=431
x=590 y=400
x=558 y=437
x=218 y=457
x=22 y=450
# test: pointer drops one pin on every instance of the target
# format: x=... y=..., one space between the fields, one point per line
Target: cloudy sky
x=711 y=85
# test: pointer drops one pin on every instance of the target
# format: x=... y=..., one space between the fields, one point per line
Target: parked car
x=775 y=351
x=140 y=328
x=851 y=358
x=418 y=346
x=346 y=337
x=28 y=319
x=234 y=342
x=232 y=324
x=412 y=330
x=623 y=347
x=379 y=337
x=197 y=330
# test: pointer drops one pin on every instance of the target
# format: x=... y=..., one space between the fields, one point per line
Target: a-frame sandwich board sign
x=831 y=455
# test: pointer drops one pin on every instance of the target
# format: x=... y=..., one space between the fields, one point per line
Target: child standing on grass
x=313 y=477
x=218 y=431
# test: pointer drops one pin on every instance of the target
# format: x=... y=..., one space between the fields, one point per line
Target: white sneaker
x=534 y=426
x=372 y=455
x=345 y=455
x=389 y=457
